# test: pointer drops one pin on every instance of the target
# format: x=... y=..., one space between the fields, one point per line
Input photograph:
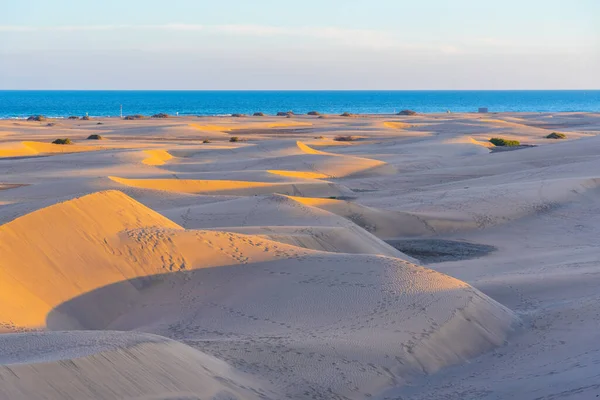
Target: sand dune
x=163 y=267
x=132 y=288
x=157 y=157
x=238 y=188
x=36 y=148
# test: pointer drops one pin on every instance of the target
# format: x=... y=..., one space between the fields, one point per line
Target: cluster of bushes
x=37 y=118
x=345 y=138
x=206 y=141
x=133 y=117
x=95 y=137
x=161 y=115
x=285 y=113
x=237 y=115
x=346 y=114
x=62 y=141
x=504 y=142
x=313 y=113
x=73 y=117
x=258 y=114
x=234 y=139
x=407 y=112
x=556 y=135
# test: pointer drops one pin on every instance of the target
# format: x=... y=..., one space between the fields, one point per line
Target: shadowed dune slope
x=105 y=261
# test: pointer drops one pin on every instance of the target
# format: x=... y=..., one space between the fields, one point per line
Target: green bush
x=37 y=118
x=95 y=137
x=504 y=142
x=407 y=112
x=62 y=141
x=345 y=138
x=135 y=116
x=556 y=135
x=161 y=115
x=234 y=139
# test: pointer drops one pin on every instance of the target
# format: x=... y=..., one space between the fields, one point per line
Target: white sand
x=150 y=265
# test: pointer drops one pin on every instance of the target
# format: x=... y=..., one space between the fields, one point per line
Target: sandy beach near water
x=414 y=261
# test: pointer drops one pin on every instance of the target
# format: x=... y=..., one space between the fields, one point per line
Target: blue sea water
x=20 y=104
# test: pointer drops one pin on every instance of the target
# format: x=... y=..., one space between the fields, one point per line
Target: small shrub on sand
x=237 y=115
x=95 y=137
x=556 y=135
x=85 y=118
x=504 y=142
x=313 y=113
x=132 y=117
x=319 y=137
x=344 y=138
x=73 y=117
x=322 y=117
x=62 y=141
x=161 y=115
x=51 y=124
x=346 y=114
x=234 y=139
x=206 y=141
x=99 y=123
x=258 y=114
x=285 y=113
x=37 y=118
x=407 y=112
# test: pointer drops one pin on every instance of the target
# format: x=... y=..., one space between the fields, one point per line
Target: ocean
x=21 y=104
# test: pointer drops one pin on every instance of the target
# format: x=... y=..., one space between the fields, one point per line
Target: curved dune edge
x=341 y=165
x=239 y=188
x=34 y=148
x=470 y=140
x=396 y=125
x=211 y=128
x=132 y=365
x=288 y=124
x=156 y=157
x=150 y=275
x=299 y=174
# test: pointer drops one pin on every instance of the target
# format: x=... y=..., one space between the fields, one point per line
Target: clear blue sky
x=310 y=44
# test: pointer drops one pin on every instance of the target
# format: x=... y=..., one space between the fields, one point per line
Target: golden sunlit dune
x=174 y=264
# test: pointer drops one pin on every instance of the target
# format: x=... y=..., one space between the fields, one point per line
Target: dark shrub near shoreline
x=285 y=113
x=37 y=118
x=85 y=118
x=407 y=112
x=344 y=138
x=234 y=139
x=504 y=142
x=133 y=117
x=313 y=113
x=258 y=114
x=73 y=117
x=95 y=137
x=556 y=135
x=62 y=141
x=237 y=115
x=346 y=114
x=161 y=115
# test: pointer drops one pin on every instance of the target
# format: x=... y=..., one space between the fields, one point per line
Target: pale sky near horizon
x=309 y=44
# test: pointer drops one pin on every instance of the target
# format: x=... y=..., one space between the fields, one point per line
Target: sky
x=306 y=45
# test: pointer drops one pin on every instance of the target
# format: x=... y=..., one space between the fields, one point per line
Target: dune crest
x=105 y=261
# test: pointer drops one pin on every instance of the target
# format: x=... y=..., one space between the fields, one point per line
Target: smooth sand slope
x=142 y=272
x=286 y=265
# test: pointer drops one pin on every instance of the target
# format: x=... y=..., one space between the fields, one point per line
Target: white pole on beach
x=121 y=111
